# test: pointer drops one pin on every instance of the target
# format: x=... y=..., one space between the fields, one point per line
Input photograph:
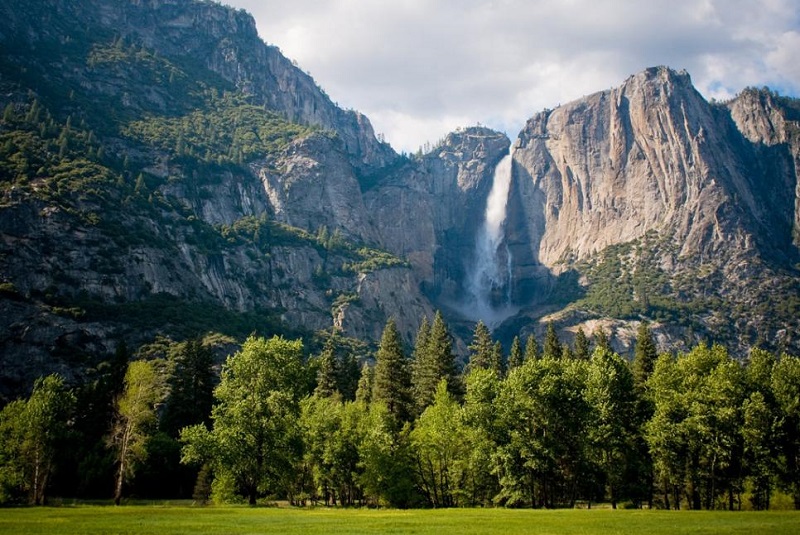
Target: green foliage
x=31 y=432
x=135 y=420
x=552 y=345
x=434 y=360
x=694 y=432
x=391 y=385
x=481 y=349
x=255 y=439
x=228 y=129
x=542 y=447
x=644 y=356
x=612 y=433
x=515 y=356
x=627 y=281
x=184 y=318
x=441 y=447
x=191 y=386
x=366 y=260
x=581 y=345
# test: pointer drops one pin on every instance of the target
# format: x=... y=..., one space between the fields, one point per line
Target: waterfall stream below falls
x=488 y=281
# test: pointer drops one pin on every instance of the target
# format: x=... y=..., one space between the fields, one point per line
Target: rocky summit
x=164 y=172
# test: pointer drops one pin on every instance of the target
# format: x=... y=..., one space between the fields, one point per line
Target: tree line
x=549 y=425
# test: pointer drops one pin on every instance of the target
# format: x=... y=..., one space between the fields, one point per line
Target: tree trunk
x=118 y=486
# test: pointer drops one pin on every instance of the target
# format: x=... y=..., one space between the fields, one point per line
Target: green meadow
x=175 y=520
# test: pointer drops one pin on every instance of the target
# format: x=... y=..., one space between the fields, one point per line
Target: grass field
x=242 y=520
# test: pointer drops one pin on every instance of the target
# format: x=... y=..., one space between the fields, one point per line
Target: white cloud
x=421 y=68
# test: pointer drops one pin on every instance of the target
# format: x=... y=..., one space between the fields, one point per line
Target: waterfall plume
x=488 y=283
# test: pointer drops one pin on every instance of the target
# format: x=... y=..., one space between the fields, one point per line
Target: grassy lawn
x=242 y=520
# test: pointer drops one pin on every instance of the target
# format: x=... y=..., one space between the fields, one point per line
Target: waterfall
x=488 y=281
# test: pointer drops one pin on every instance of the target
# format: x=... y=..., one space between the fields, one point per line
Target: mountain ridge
x=163 y=169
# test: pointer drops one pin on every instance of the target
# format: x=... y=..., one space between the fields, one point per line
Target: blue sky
x=421 y=68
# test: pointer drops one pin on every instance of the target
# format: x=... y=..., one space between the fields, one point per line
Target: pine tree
x=515 y=356
x=421 y=343
x=601 y=340
x=532 y=351
x=348 y=376
x=552 y=345
x=581 y=346
x=328 y=370
x=8 y=113
x=440 y=345
x=498 y=364
x=481 y=349
x=392 y=383
x=365 y=383
x=191 y=392
x=645 y=355
x=141 y=187
x=566 y=352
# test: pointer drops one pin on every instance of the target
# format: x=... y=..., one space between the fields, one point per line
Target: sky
x=419 y=69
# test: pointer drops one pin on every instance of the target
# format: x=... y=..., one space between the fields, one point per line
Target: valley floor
x=235 y=520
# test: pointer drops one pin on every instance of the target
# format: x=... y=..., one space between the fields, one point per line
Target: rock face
x=650 y=155
x=716 y=184
x=429 y=211
x=156 y=179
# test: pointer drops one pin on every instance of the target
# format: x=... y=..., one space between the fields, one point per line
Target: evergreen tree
x=141 y=186
x=645 y=355
x=581 y=345
x=601 y=340
x=392 y=383
x=498 y=364
x=515 y=357
x=365 y=383
x=552 y=345
x=435 y=362
x=481 y=349
x=327 y=373
x=348 y=376
x=191 y=387
x=532 y=350
x=566 y=352
x=421 y=343
x=420 y=366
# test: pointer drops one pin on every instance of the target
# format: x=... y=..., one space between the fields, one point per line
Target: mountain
x=665 y=206
x=165 y=172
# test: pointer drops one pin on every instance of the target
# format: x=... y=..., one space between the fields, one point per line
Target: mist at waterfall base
x=488 y=282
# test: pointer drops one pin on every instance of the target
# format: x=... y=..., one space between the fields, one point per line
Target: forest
x=543 y=425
